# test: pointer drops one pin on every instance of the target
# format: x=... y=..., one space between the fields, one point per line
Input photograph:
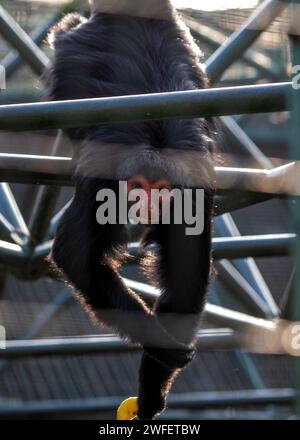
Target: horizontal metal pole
x=269 y=245
x=186 y=104
x=282 y=180
x=8 y=97
x=266 y=245
x=224 y=247
x=209 y=339
x=184 y=400
x=44 y=170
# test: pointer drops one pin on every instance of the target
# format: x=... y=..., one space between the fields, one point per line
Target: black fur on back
x=113 y=55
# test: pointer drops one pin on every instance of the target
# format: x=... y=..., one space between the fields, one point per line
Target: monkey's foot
x=158 y=370
x=128 y=409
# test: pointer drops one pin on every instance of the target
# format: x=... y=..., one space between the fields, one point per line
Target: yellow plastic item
x=128 y=409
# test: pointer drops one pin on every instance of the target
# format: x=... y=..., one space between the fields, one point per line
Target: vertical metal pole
x=295 y=153
x=44 y=205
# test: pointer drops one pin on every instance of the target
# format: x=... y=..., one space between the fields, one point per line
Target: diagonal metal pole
x=215 y=39
x=247 y=267
x=43 y=319
x=243 y=38
x=10 y=211
x=13 y=59
x=247 y=363
x=19 y=39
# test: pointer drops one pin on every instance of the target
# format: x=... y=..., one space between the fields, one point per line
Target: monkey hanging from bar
x=134 y=47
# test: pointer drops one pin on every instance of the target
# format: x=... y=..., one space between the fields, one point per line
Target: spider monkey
x=135 y=47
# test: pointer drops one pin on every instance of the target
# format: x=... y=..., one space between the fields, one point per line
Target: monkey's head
x=151 y=174
x=152 y=194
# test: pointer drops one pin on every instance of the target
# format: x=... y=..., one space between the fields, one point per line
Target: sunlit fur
x=113 y=55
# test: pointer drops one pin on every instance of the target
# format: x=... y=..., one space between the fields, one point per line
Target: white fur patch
x=188 y=168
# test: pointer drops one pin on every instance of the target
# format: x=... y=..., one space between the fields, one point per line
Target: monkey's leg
x=184 y=271
x=84 y=251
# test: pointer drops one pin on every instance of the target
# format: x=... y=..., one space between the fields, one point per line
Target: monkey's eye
x=138 y=182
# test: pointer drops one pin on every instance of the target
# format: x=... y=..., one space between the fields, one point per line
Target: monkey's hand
x=159 y=368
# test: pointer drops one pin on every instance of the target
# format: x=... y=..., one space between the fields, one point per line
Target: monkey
x=134 y=47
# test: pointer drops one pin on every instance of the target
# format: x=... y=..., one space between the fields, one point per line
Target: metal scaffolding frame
x=24 y=247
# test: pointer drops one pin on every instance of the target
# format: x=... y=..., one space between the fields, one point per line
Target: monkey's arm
x=184 y=268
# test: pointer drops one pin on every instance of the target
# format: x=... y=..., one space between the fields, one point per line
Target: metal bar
x=246 y=362
x=294 y=34
x=278 y=181
x=229 y=52
x=56 y=219
x=184 y=400
x=50 y=310
x=18 y=38
x=11 y=254
x=243 y=246
x=225 y=247
x=255 y=246
x=186 y=104
x=207 y=339
x=244 y=37
x=13 y=60
x=244 y=142
x=248 y=267
x=45 y=204
x=35 y=169
x=241 y=289
x=216 y=315
x=10 y=210
x=8 y=97
x=216 y=38
x=8 y=232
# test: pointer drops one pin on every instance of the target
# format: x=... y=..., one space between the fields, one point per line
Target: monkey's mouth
x=151 y=197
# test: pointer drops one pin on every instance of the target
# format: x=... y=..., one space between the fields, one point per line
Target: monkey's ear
x=68 y=23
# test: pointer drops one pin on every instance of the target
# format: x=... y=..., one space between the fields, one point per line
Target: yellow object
x=128 y=409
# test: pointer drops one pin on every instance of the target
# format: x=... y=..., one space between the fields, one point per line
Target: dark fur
x=111 y=55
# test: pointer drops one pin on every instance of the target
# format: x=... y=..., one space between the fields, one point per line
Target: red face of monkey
x=149 y=203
